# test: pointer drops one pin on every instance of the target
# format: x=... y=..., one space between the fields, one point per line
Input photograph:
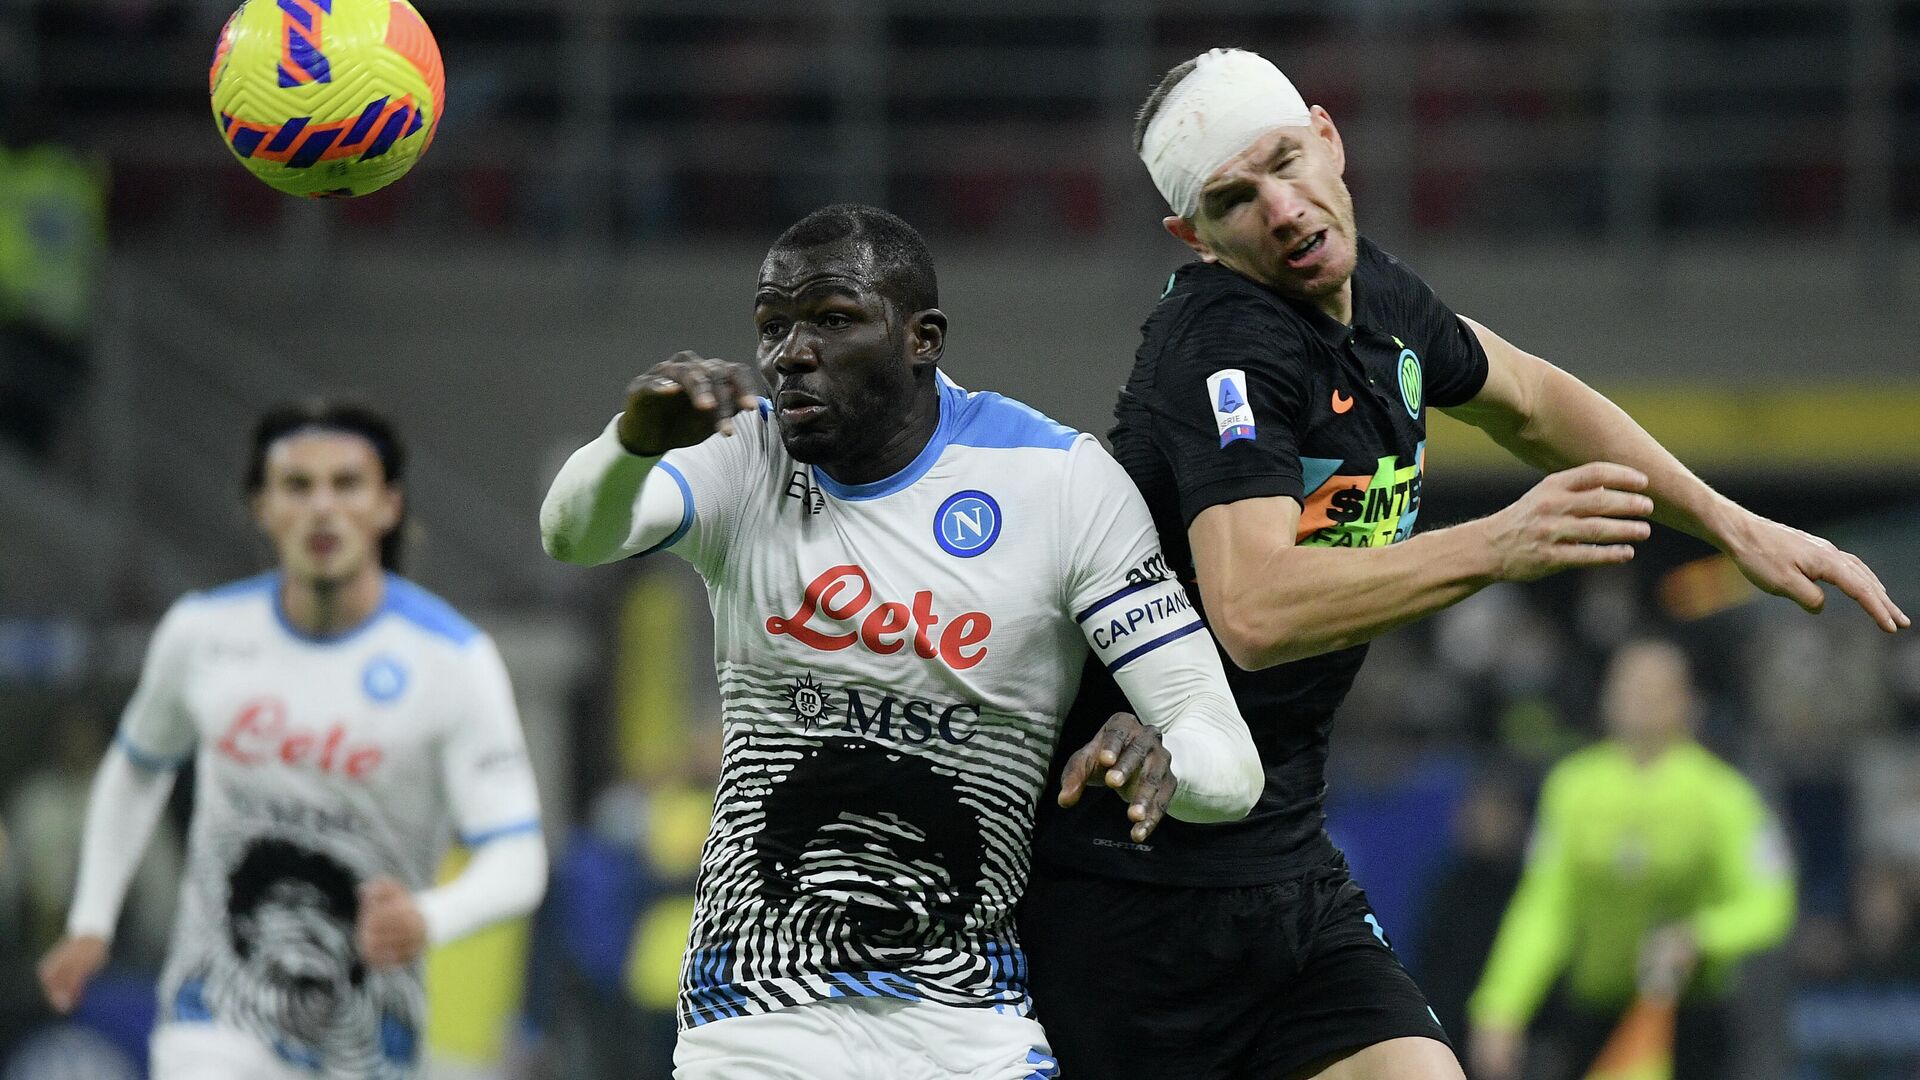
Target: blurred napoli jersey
x=320 y=763
x=894 y=661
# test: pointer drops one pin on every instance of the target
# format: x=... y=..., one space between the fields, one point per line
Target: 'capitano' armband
x=1138 y=619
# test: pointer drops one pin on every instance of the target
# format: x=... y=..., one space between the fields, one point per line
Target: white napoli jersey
x=320 y=763
x=895 y=659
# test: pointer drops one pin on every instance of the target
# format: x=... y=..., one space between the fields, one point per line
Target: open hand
x=682 y=401
x=1586 y=516
x=1667 y=959
x=1787 y=562
x=67 y=967
x=392 y=932
x=1135 y=764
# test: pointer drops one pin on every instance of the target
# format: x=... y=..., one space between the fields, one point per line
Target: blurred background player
x=1276 y=421
x=1654 y=867
x=340 y=719
x=905 y=578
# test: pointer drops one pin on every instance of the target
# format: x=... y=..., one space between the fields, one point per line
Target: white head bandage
x=1231 y=99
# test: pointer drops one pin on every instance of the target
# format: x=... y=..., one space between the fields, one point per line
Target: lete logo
x=842 y=593
x=260 y=732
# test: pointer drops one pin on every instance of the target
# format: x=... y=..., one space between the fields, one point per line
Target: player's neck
x=325 y=608
x=1338 y=305
x=898 y=450
x=1648 y=751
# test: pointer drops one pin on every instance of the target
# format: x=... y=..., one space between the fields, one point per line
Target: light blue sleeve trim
x=474 y=840
x=686 y=508
x=149 y=762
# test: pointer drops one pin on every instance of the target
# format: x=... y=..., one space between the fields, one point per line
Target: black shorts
x=1151 y=982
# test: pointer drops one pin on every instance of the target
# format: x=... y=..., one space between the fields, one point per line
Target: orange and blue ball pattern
x=327 y=98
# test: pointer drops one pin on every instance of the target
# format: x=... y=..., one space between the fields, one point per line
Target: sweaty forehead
x=848 y=264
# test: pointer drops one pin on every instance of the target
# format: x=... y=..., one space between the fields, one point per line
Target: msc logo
x=967 y=524
x=807 y=701
x=881 y=716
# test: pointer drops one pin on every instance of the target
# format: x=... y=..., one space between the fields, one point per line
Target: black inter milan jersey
x=1239 y=393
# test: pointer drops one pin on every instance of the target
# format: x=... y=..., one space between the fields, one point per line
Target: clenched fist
x=392 y=932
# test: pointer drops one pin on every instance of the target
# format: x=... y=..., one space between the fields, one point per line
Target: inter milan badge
x=967 y=524
x=1411 y=384
x=807 y=700
x=384 y=679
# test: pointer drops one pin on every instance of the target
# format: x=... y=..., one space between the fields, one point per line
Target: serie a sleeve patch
x=1227 y=394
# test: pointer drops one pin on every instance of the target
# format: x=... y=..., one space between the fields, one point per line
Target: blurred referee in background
x=1654 y=866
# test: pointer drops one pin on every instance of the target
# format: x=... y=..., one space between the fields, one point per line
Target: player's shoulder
x=984 y=419
x=427 y=614
x=219 y=602
x=1709 y=772
x=1597 y=763
x=1382 y=274
x=1207 y=309
x=1207 y=288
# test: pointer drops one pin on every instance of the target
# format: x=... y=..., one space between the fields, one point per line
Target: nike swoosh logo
x=1341 y=402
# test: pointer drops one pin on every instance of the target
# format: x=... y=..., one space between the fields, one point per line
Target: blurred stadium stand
x=1710 y=208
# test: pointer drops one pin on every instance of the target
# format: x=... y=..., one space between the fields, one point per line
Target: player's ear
x=927 y=336
x=1322 y=124
x=1183 y=231
x=393 y=503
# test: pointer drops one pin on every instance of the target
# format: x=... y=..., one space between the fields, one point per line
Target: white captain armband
x=1137 y=620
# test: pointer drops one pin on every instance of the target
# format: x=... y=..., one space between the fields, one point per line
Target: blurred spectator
x=1464 y=903
x=43 y=818
x=1858 y=1017
x=1817 y=686
x=1886 y=918
x=1886 y=777
x=53 y=203
x=619 y=913
x=1654 y=867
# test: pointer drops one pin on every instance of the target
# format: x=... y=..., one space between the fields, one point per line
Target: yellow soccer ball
x=327 y=98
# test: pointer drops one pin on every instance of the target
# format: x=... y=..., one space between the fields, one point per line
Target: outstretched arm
x=1552 y=420
x=609 y=501
x=1271 y=601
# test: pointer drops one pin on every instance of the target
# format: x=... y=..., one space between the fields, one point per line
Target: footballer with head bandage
x=1275 y=420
